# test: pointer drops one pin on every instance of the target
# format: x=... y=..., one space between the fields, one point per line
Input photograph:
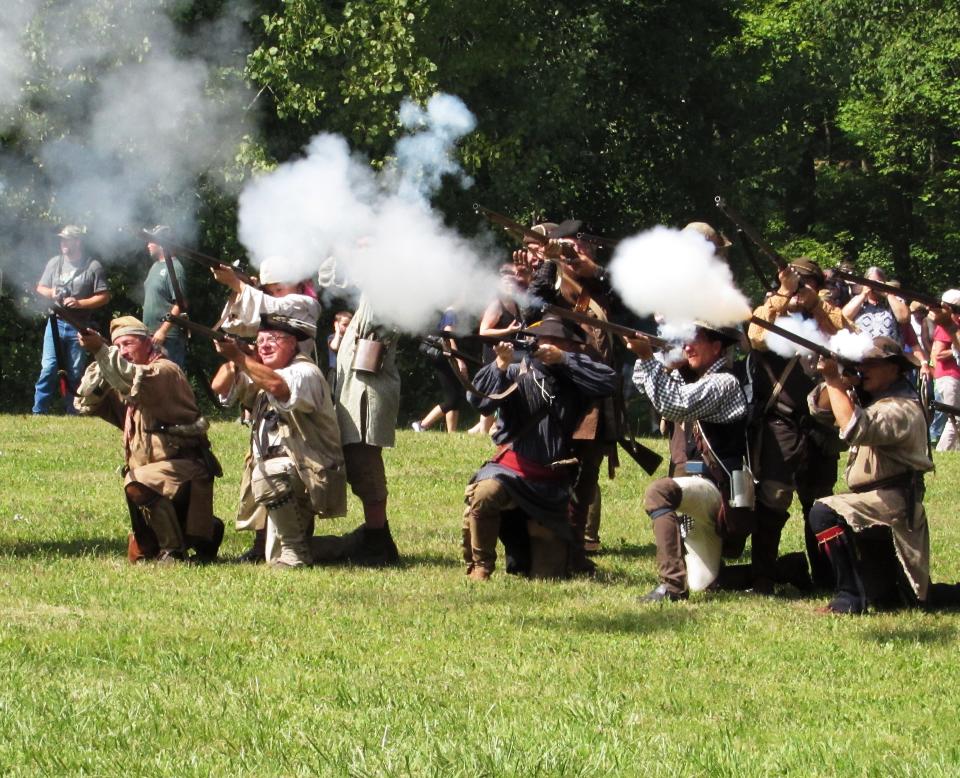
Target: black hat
x=555 y=327
x=300 y=329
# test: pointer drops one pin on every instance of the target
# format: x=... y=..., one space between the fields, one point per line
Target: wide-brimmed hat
x=71 y=231
x=299 y=328
x=555 y=327
x=888 y=350
x=707 y=231
x=127 y=325
x=731 y=336
x=158 y=231
x=806 y=267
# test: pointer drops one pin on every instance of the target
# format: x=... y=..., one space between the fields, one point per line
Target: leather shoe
x=661 y=593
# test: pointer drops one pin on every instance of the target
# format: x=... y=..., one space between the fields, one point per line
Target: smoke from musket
x=795 y=323
x=379 y=227
x=113 y=119
x=676 y=274
x=851 y=345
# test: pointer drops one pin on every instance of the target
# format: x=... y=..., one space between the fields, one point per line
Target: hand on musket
x=640 y=345
x=233 y=351
x=548 y=354
x=225 y=275
x=789 y=282
x=91 y=341
x=572 y=254
x=504 y=352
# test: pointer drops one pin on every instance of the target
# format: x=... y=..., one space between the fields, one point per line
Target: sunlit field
x=113 y=669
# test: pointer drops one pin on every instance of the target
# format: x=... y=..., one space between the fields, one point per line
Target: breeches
x=365 y=472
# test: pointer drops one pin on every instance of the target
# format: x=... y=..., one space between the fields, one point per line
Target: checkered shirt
x=715 y=397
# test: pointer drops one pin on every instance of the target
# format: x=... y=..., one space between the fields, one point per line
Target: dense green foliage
x=832 y=124
x=230 y=670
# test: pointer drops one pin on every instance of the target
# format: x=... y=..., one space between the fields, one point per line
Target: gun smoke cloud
x=849 y=345
x=378 y=226
x=676 y=274
x=111 y=119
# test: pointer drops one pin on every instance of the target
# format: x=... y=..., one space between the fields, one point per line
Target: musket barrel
x=751 y=232
x=188 y=324
x=609 y=326
x=879 y=286
x=816 y=348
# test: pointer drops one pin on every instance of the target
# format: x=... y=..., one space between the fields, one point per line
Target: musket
x=928 y=300
x=201 y=259
x=598 y=240
x=816 y=348
x=526 y=343
x=443 y=348
x=191 y=326
x=751 y=232
x=602 y=324
x=62 y=312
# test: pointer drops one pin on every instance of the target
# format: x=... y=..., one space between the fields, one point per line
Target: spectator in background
x=453 y=395
x=880 y=314
x=160 y=298
x=946 y=372
x=341 y=321
x=75 y=281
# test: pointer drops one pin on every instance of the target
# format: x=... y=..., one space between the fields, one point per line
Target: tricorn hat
x=299 y=328
x=158 y=231
x=806 y=267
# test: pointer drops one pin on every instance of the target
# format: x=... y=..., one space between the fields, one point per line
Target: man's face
x=702 y=352
x=879 y=374
x=70 y=246
x=276 y=349
x=134 y=348
x=280 y=290
x=341 y=324
x=155 y=250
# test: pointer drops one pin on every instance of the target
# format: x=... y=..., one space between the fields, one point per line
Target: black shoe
x=844 y=604
x=252 y=556
x=792 y=569
x=662 y=593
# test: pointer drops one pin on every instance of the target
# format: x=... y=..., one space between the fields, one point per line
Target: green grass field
x=111 y=669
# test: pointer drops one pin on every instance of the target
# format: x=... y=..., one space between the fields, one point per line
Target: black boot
x=850 y=596
x=792 y=569
x=377 y=549
x=206 y=550
x=257 y=553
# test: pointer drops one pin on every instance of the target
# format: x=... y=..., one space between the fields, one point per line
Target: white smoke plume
x=795 y=323
x=678 y=275
x=851 y=345
x=379 y=227
x=114 y=117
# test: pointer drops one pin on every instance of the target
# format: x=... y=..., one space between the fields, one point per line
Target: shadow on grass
x=629 y=550
x=944 y=633
x=644 y=619
x=78 y=547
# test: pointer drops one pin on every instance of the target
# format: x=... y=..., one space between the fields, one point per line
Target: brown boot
x=477 y=572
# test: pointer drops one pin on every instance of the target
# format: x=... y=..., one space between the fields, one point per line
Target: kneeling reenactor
x=523 y=493
x=690 y=512
x=876 y=537
x=169 y=467
x=294 y=470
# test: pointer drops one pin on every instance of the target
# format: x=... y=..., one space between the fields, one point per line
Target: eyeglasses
x=272 y=340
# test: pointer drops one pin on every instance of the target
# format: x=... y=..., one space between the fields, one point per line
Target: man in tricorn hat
x=876 y=536
x=704 y=401
x=523 y=493
x=295 y=469
x=168 y=468
x=76 y=281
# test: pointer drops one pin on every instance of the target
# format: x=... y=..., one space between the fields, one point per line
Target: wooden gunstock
x=70 y=318
x=191 y=326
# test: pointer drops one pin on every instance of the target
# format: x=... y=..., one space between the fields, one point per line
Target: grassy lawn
x=228 y=670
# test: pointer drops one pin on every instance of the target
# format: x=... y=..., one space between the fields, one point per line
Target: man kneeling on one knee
x=708 y=444
x=168 y=465
x=294 y=470
x=524 y=492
